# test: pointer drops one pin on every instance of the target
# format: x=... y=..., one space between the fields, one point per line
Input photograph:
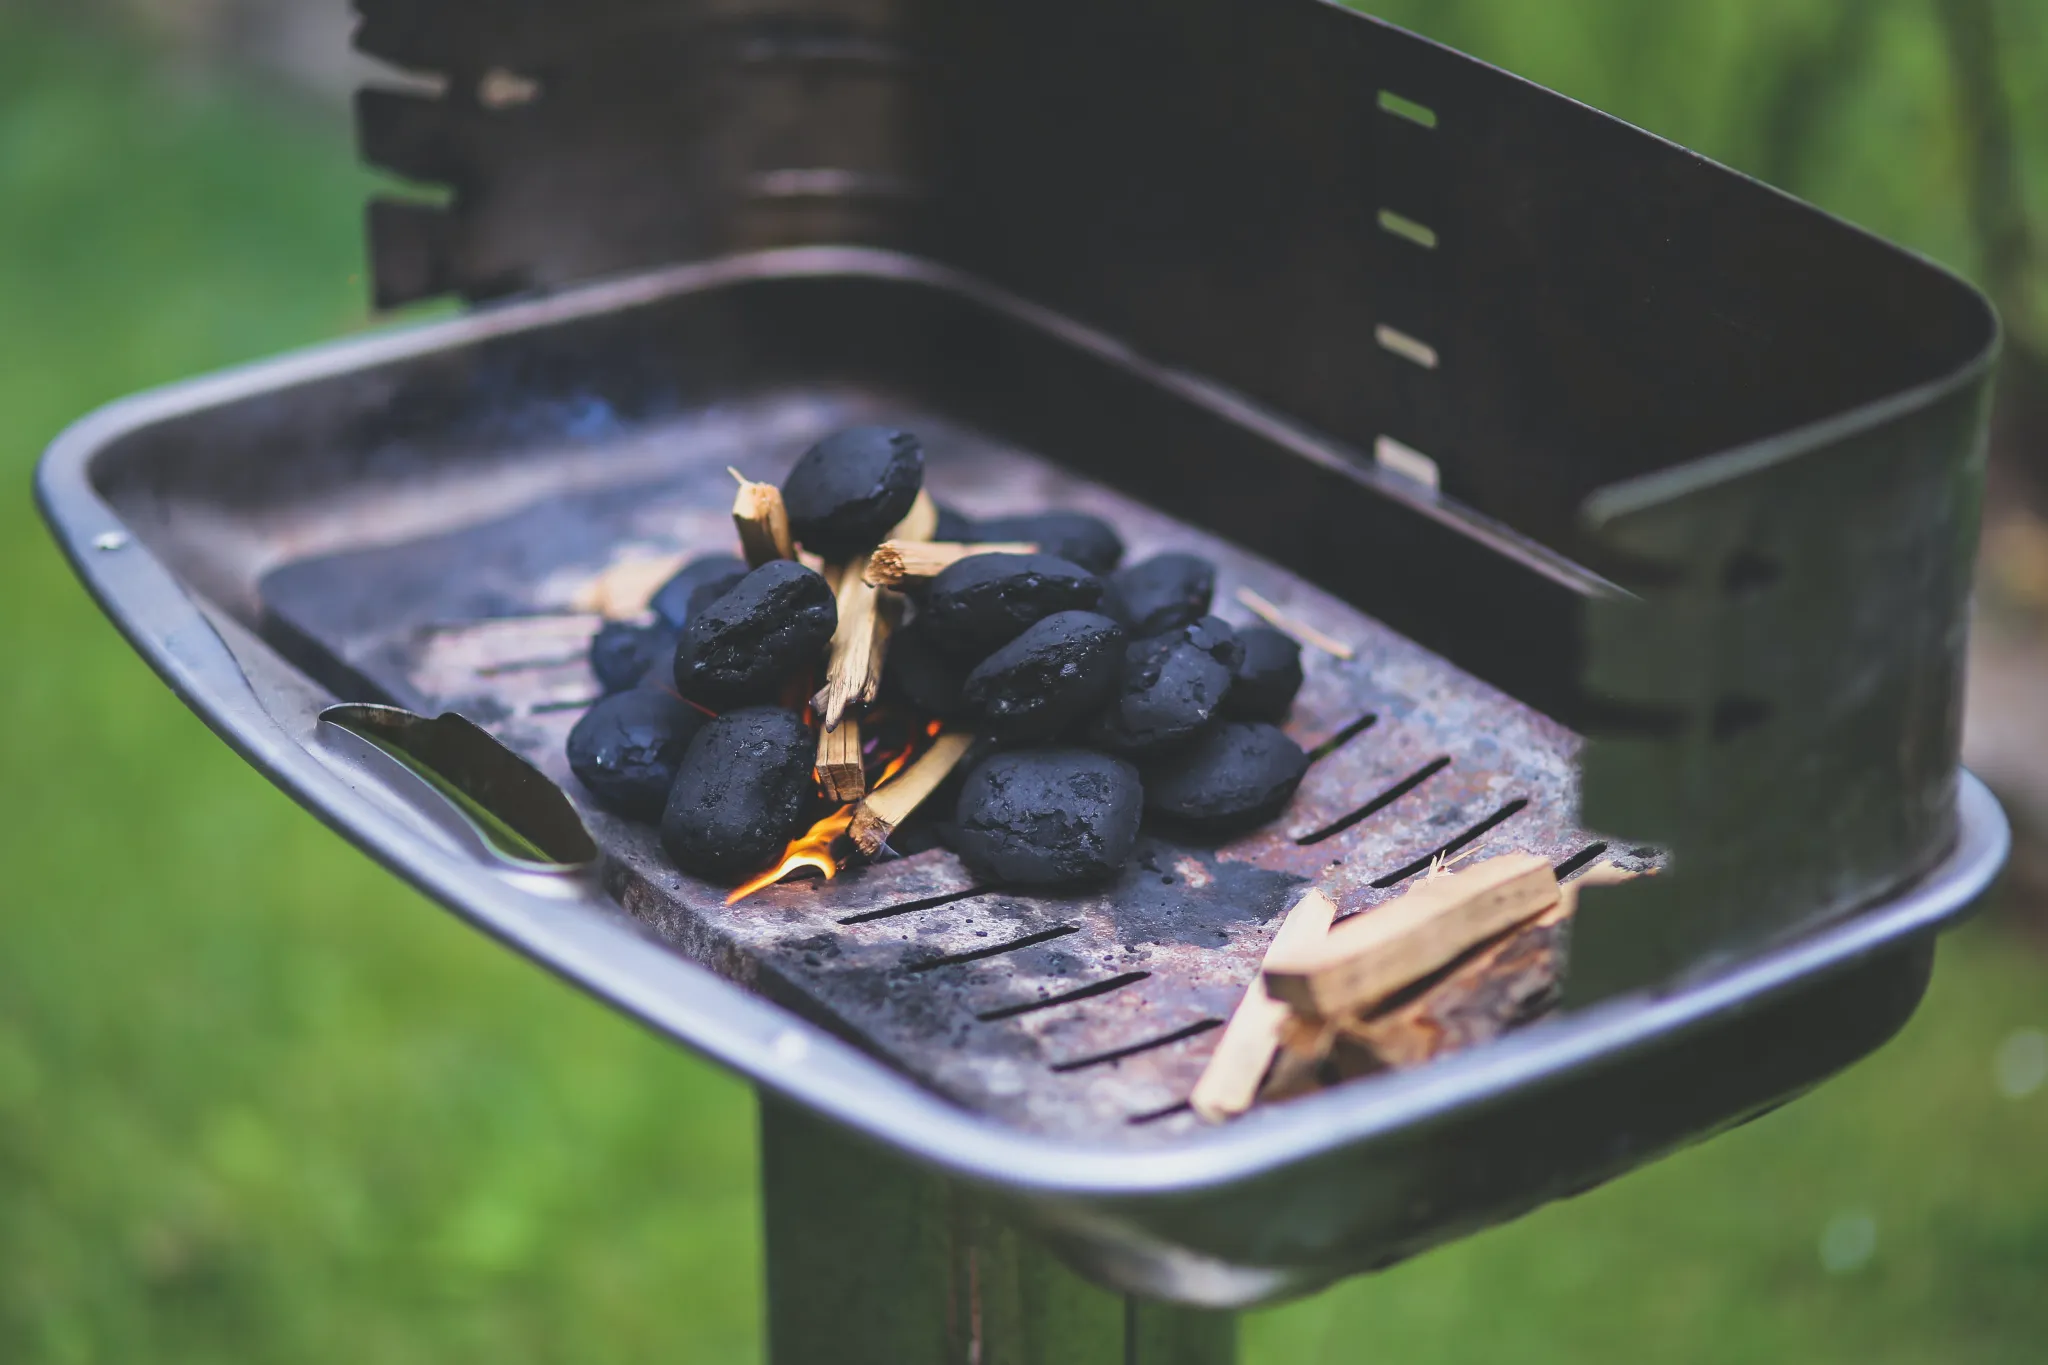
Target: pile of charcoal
x=1096 y=696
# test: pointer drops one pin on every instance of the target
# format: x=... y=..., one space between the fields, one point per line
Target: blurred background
x=260 y=1103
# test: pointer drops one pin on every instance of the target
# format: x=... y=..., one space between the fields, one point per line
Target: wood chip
x=899 y=563
x=1287 y=625
x=841 y=771
x=1374 y=954
x=853 y=670
x=1502 y=985
x=1313 y=1053
x=623 y=591
x=889 y=611
x=921 y=522
x=892 y=803
x=762 y=521
x=1488 y=994
x=1231 y=1081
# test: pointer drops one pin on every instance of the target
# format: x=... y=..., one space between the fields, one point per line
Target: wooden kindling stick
x=1309 y=1050
x=624 y=589
x=1300 y=631
x=842 y=772
x=1370 y=956
x=867 y=617
x=892 y=803
x=898 y=563
x=1231 y=1080
x=921 y=522
x=853 y=669
x=762 y=521
x=1483 y=996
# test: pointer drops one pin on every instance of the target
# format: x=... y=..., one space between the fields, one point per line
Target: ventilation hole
x=1410 y=463
x=543 y=708
x=1421 y=864
x=1088 y=992
x=1154 y=1115
x=1405 y=346
x=1407 y=229
x=912 y=907
x=529 y=665
x=1343 y=737
x=1748 y=572
x=1737 y=715
x=1407 y=109
x=995 y=950
x=1578 y=861
x=1119 y=1053
x=1380 y=802
x=502 y=89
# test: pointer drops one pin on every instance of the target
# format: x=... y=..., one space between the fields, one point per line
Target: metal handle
x=469 y=786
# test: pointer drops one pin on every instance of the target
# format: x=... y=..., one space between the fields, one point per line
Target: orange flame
x=890 y=769
x=812 y=849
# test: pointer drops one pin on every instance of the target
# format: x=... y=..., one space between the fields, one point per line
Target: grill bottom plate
x=1088 y=1014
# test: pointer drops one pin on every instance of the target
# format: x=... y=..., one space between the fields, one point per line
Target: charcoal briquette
x=1088 y=541
x=922 y=676
x=773 y=625
x=1054 y=674
x=1048 y=817
x=1171 y=685
x=707 y=593
x=744 y=789
x=979 y=604
x=676 y=600
x=1233 y=777
x=626 y=748
x=621 y=654
x=1161 y=593
x=1267 y=676
x=849 y=489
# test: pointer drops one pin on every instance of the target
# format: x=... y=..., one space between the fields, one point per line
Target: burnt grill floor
x=1082 y=1015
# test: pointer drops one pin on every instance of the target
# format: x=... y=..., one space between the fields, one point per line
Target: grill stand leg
x=872 y=1261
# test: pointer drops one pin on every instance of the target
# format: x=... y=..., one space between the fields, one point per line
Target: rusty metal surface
x=1100 y=1021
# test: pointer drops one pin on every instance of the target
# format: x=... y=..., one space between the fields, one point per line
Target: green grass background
x=260 y=1103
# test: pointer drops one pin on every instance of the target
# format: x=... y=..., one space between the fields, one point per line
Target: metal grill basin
x=1190 y=263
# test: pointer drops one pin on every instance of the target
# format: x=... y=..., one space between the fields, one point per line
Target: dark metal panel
x=1203 y=180
x=1790 y=686
x=411 y=245
x=876 y=1261
x=409 y=134
x=585 y=140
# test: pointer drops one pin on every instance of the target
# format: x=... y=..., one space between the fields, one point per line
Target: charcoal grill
x=1646 y=494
